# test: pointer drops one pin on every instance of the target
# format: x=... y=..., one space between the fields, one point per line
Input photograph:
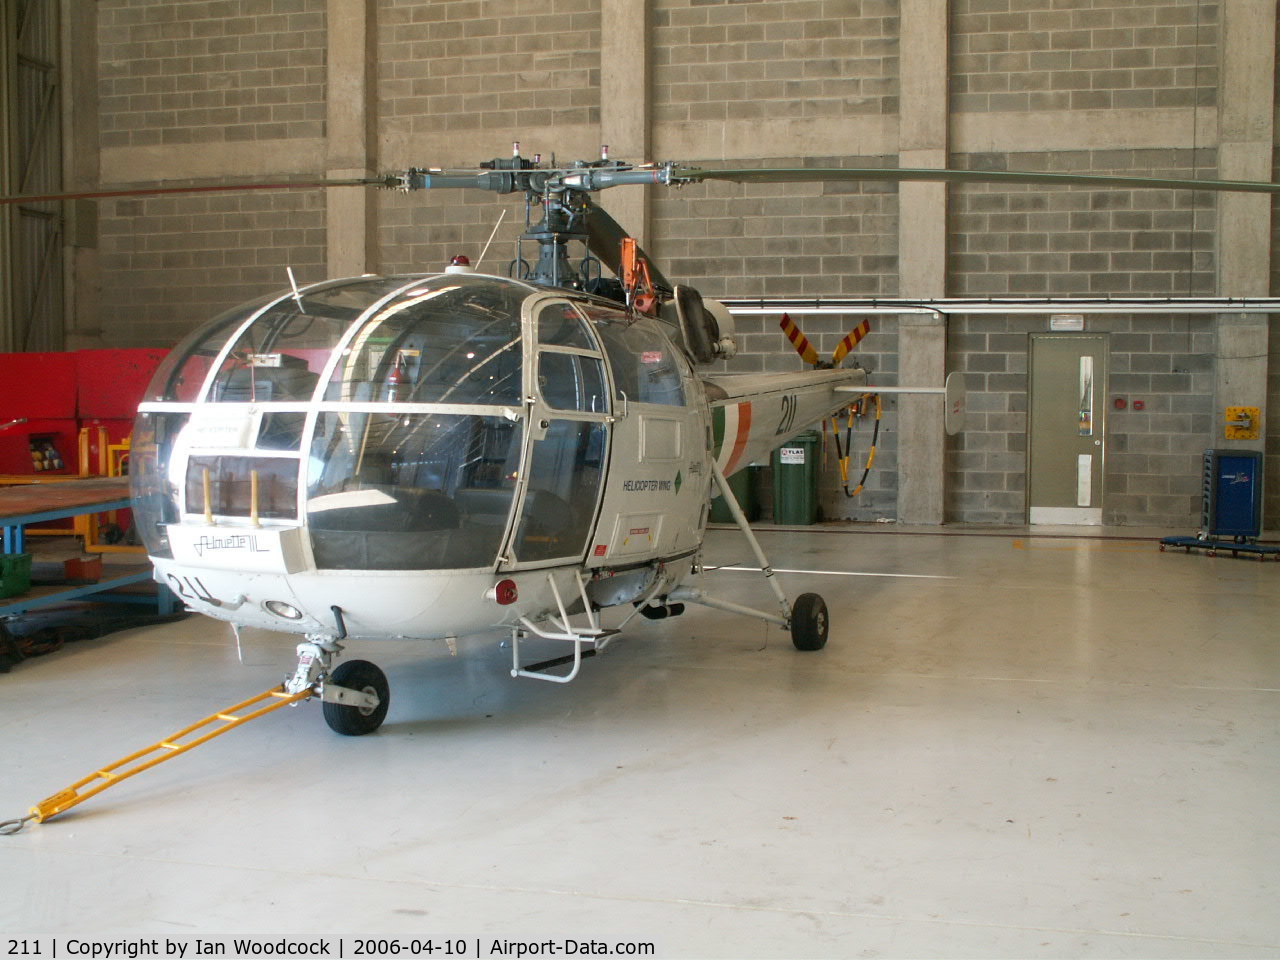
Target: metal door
x=1066 y=428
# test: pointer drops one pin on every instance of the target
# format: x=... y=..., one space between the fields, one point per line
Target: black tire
x=809 y=622
x=356 y=721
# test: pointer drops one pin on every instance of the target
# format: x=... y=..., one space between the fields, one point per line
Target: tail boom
x=755 y=413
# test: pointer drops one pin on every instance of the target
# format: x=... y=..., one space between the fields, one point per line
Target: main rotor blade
x=604 y=240
x=208 y=188
x=854 y=174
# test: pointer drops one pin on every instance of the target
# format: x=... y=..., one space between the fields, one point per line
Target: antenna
x=297 y=294
x=492 y=234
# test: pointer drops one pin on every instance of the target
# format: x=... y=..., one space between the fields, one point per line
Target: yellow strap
x=163 y=750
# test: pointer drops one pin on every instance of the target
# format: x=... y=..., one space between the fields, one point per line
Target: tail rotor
x=810 y=355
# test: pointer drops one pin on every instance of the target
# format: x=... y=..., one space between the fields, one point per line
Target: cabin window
x=230 y=486
x=410 y=492
x=282 y=353
x=570 y=368
x=182 y=373
x=646 y=365
x=559 y=325
x=460 y=343
x=571 y=381
x=565 y=470
x=155 y=497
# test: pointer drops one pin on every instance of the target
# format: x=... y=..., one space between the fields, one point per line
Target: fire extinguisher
x=397 y=379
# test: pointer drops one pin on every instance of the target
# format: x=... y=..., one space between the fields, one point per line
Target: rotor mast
x=561 y=194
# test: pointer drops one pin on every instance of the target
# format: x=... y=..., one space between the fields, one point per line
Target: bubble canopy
x=387 y=415
x=279 y=349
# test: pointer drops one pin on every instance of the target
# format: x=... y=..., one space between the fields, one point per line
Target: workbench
x=36 y=502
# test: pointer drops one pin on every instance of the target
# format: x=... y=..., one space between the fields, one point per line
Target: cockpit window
x=454 y=340
x=560 y=326
x=570 y=369
x=645 y=363
x=572 y=381
x=182 y=373
x=410 y=492
x=282 y=353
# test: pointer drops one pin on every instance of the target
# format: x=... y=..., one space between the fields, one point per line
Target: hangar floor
x=1011 y=747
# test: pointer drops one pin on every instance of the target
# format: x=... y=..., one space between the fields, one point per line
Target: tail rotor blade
x=798 y=340
x=850 y=341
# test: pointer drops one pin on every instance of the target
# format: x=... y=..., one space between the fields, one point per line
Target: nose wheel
x=355 y=694
x=357 y=718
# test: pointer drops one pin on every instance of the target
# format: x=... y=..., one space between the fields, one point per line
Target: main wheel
x=354 y=721
x=809 y=624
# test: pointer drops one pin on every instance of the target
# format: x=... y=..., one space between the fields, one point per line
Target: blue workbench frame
x=15 y=536
x=15 y=542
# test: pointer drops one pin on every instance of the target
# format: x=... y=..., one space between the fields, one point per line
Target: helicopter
x=446 y=454
x=441 y=455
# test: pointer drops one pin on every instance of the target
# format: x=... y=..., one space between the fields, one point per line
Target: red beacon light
x=459 y=264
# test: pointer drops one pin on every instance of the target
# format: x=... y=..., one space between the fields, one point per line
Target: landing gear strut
x=807 y=619
x=355 y=695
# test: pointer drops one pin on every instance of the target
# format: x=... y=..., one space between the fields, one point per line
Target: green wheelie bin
x=795 y=479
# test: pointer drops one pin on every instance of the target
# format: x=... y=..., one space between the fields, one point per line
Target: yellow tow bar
x=200 y=732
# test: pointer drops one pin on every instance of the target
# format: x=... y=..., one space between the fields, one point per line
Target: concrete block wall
x=1154 y=455
x=1070 y=241
x=170 y=263
x=716 y=60
x=420 y=232
x=1100 y=86
x=1073 y=241
x=1023 y=55
x=487 y=74
x=465 y=65
x=793 y=239
x=811 y=240
x=230 y=75
x=213 y=71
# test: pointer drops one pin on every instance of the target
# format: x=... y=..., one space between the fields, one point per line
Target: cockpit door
x=568 y=445
x=656 y=492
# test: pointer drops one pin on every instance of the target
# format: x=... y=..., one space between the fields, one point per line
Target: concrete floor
x=1011 y=747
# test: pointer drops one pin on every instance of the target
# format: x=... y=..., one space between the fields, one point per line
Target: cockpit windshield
x=410 y=492
x=297 y=424
x=457 y=340
x=282 y=353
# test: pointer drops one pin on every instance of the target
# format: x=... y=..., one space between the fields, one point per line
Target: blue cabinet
x=1232 y=504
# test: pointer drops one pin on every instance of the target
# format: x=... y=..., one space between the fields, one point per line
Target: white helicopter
x=441 y=455
x=447 y=454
